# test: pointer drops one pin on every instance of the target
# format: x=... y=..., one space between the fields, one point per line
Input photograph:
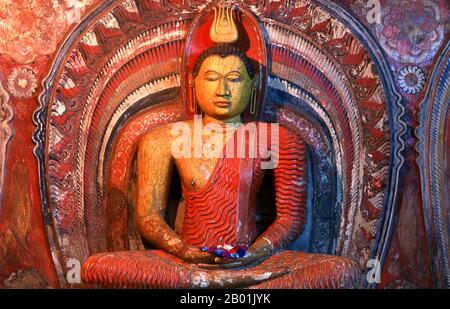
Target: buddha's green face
x=223 y=87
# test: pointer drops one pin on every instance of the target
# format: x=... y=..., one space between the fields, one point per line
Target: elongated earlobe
x=253 y=100
x=192 y=98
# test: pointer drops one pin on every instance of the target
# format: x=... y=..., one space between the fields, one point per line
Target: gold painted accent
x=223 y=29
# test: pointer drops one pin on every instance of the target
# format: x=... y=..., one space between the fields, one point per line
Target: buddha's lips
x=223 y=104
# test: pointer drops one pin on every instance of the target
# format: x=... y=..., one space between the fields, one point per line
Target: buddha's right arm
x=154 y=169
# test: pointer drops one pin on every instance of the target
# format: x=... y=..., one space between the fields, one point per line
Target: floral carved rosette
x=411 y=31
x=22 y=83
x=411 y=79
x=117 y=80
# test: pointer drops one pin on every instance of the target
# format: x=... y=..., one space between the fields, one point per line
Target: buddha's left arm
x=290 y=191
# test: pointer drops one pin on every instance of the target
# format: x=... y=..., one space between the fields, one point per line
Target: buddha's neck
x=208 y=119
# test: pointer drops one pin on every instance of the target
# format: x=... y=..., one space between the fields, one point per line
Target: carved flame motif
x=223 y=29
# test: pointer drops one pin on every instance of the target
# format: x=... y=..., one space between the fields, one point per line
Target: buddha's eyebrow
x=234 y=72
x=228 y=73
x=211 y=71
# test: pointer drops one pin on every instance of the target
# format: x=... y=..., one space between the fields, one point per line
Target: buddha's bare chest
x=196 y=169
x=195 y=172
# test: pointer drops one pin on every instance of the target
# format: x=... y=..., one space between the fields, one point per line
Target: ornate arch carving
x=117 y=75
x=434 y=134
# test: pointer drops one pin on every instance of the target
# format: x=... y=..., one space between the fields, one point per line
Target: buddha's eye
x=212 y=77
x=234 y=78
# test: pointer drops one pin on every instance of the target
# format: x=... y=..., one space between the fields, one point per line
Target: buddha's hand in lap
x=256 y=254
x=193 y=255
x=224 y=276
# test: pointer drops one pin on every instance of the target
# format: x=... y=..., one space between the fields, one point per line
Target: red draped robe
x=223 y=212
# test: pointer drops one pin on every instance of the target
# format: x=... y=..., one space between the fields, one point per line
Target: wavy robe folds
x=223 y=212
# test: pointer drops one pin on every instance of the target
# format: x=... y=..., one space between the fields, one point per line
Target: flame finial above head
x=223 y=29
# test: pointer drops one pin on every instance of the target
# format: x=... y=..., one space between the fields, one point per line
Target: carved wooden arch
x=434 y=135
x=118 y=73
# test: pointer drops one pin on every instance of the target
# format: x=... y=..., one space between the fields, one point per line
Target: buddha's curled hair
x=224 y=50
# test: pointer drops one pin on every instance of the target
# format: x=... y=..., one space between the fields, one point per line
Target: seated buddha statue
x=221 y=168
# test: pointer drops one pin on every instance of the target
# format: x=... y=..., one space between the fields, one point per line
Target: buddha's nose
x=222 y=88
